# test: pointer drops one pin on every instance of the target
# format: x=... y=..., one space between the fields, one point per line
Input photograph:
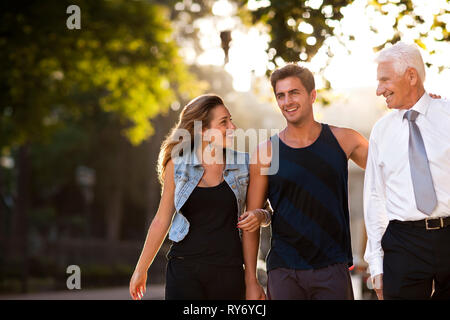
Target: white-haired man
x=407 y=184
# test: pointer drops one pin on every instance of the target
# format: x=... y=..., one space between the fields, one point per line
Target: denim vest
x=188 y=171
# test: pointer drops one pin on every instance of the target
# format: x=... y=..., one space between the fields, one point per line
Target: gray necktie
x=420 y=171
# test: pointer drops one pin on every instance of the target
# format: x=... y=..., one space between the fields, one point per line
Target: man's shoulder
x=264 y=146
x=342 y=130
x=442 y=106
x=343 y=133
x=263 y=152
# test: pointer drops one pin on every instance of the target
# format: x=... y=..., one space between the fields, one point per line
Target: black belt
x=428 y=223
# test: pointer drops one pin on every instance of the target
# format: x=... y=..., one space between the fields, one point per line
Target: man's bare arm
x=353 y=144
x=360 y=150
x=256 y=198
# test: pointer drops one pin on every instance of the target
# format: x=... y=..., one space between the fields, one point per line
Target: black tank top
x=213 y=236
x=310 y=225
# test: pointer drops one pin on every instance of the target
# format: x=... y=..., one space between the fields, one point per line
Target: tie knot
x=411 y=115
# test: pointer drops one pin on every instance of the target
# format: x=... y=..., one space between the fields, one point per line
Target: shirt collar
x=421 y=105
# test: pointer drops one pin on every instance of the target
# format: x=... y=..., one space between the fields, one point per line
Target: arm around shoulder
x=354 y=145
x=359 y=147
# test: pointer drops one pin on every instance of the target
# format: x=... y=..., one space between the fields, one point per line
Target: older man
x=407 y=184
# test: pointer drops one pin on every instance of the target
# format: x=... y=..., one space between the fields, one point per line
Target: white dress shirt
x=388 y=189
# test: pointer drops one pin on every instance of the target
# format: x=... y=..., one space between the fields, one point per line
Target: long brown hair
x=198 y=109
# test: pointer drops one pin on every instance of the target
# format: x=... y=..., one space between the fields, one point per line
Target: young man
x=407 y=184
x=310 y=247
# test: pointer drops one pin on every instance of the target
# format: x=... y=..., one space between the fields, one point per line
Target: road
x=154 y=292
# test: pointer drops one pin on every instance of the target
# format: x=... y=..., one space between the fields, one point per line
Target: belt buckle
x=434 y=228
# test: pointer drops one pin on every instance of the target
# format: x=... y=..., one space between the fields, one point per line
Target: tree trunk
x=114 y=202
x=114 y=213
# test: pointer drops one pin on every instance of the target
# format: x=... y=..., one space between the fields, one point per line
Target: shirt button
x=233 y=186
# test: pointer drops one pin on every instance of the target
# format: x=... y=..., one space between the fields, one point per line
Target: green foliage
x=55 y=160
x=123 y=60
x=292 y=22
x=439 y=26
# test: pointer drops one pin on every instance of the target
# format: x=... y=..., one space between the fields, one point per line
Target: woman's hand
x=251 y=220
x=137 y=285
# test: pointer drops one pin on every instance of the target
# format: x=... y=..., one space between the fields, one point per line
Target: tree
x=299 y=29
x=123 y=61
x=430 y=29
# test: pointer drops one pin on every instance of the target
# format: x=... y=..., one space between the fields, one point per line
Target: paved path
x=154 y=292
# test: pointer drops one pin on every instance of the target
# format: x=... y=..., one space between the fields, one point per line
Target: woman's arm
x=156 y=234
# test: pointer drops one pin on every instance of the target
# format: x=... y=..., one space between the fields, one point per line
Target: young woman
x=203 y=201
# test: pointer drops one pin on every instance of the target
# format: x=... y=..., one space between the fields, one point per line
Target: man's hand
x=251 y=220
x=254 y=291
x=377 y=283
x=434 y=96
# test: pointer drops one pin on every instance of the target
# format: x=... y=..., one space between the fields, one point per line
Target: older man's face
x=394 y=87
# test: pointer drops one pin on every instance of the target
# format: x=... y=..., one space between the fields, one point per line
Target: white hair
x=403 y=56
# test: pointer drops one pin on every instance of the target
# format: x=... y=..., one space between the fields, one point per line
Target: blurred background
x=88 y=93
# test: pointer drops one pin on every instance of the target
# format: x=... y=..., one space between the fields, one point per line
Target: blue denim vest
x=188 y=171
